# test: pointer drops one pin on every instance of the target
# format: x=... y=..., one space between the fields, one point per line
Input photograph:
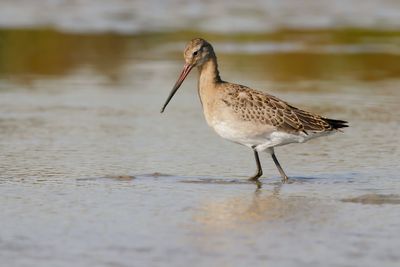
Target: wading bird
x=246 y=116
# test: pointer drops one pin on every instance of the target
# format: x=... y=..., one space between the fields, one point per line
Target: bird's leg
x=284 y=176
x=259 y=169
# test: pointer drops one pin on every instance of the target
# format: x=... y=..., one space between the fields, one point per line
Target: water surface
x=91 y=174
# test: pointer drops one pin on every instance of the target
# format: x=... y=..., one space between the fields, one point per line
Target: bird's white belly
x=260 y=140
x=236 y=134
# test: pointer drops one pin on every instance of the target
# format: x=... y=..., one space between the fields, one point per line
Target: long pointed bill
x=186 y=69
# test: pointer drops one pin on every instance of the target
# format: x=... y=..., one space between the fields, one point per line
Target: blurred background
x=339 y=39
x=92 y=174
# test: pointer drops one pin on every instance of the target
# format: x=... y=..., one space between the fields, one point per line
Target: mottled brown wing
x=311 y=122
x=263 y=108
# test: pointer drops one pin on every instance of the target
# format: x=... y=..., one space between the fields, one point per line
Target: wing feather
x=252 y=105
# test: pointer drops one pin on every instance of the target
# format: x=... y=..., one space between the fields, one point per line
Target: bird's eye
x=195 y=53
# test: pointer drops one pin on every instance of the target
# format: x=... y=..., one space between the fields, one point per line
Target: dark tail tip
x=336 y=124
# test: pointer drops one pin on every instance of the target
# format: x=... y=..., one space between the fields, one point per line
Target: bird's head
x=196 y=53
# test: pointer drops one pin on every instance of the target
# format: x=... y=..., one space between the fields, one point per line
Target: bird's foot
x=285 y=179
x=255 y=177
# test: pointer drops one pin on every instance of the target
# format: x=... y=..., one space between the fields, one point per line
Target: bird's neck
x=208 y=87
x=209 y=74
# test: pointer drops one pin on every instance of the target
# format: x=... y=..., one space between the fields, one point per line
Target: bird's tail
x=336 y=124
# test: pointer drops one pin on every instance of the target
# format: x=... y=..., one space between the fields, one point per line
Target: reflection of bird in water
x=243 y=115
x=232 y=212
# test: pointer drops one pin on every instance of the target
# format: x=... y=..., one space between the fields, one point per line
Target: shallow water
x=91 y=174
x=137 y=16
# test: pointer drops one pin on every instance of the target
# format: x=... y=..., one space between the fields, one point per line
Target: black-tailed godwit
x=246 y=116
